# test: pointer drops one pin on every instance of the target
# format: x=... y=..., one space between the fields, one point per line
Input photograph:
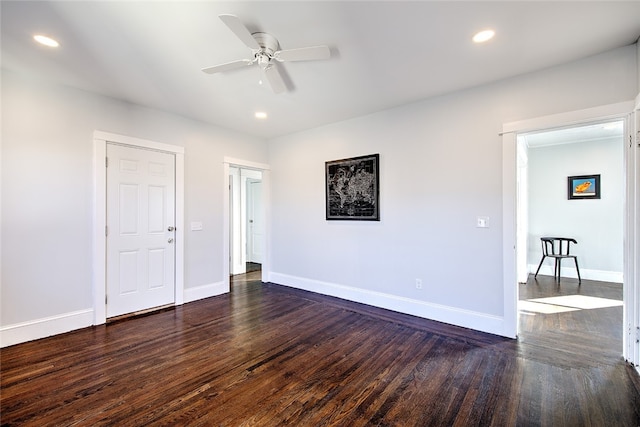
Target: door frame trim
x=266 y=197
x=99 y=258
x=509 y=192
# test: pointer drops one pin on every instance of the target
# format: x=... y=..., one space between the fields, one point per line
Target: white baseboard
x=441 y=313
x=205 y=291
x=46 y=327
x=585 y=273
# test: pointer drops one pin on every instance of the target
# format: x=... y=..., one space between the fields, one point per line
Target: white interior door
x=140 y=229
x=255 y=226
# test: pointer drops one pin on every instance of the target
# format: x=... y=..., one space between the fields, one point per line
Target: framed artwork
x=352 y=188
x=584 y=187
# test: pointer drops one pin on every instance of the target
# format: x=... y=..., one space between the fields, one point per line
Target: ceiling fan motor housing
x=268 y=43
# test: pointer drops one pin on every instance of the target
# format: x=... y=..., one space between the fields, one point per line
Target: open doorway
x=551 y=309
x=546 y=161
x=232 y=194
x=246 y=214
x=621 y=111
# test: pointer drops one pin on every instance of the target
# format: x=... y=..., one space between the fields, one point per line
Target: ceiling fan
x=265 y=53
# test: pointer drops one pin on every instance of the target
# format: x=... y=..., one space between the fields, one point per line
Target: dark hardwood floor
x=268 y=355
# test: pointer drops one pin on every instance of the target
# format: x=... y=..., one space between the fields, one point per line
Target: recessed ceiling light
x=47 y=41
x=483 y=36
x=261 y=115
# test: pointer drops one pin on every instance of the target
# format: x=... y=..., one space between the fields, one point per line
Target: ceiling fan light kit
x=265 y=49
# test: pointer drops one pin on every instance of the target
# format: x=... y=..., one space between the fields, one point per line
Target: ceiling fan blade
x=238 y=28
x=275 y=79
x=303 y=54
x=228 y=66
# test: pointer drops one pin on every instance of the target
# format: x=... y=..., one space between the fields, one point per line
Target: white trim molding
x=246 y=164
x=632 y=268
x=45 y=327
x=100 y=140
x=570 y=118
x=441 y=313
x=509 y=234
x=205 y=291
x=136 y=142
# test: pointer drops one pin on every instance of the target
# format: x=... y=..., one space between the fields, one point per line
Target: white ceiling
x=384 y=54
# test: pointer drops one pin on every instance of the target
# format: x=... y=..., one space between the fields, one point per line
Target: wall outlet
x=418 y=283
x=482 y=222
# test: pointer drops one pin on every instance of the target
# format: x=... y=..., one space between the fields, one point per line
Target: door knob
x=171 y=228
x=170 y=240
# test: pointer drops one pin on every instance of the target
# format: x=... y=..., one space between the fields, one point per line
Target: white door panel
x=157 y=200
x=128 y=272
x=140 y=211
x=256 y=222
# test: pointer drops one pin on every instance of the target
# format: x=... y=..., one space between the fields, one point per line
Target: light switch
x=483 y=222
x=196 y=226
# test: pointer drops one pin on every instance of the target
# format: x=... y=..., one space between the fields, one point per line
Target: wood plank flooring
x=268 y=355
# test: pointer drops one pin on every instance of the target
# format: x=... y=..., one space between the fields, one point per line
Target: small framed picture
x=584 y=187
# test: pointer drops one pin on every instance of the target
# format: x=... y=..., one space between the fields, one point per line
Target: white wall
x=440 y=168
x=596 y=224
x=47 y=194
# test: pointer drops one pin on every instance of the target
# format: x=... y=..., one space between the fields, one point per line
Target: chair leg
x=558 y=268
x=578 y=270
x=539 y=265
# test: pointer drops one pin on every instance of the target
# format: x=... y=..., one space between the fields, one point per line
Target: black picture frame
x=352 y=188
x=583 y=187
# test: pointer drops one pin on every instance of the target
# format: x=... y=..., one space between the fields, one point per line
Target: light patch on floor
x=543 y=308
x=579 y=301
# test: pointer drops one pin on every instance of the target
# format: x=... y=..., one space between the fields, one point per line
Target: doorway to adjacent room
x=559 y=312
x=246 y=234
x=512 y=218
x=246 y=219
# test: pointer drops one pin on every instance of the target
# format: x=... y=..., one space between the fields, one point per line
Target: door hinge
x=106 y=230
x=638 y=334
x=106 y=162
x=106 y=298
